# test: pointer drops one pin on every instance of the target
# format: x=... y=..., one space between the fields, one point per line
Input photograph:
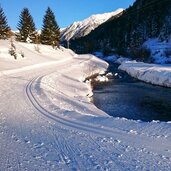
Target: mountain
x=83 y=28
x=126 y=34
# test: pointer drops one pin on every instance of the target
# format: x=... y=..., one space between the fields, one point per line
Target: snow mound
x=150 y=73
x=101 y=78
x=121 y=60
x=32 y=55
x=72 y=93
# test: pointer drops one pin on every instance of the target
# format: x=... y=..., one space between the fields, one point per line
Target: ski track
x=86 y=127
x=93 y=142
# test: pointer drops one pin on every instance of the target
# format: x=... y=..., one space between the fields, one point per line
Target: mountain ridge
x=82 y=28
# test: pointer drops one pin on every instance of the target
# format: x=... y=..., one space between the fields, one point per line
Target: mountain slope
x=146 y=19
x=82 y=28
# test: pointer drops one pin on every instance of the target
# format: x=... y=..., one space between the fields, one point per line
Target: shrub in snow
x=12 y=50
x=37 y=48
x=22 y=54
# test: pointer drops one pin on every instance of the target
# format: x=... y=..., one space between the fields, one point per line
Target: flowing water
x=124 y=96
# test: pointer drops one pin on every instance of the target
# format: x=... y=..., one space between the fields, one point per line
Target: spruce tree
x=4 y=28
x=50 y=34
x=26 y=27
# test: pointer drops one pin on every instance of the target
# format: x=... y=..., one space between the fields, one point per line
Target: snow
x=150 y=73
x=121 y=60
x=31 y=55
x=82 y=28
x=98 y=54
x=101 y=78
x=111 y=58
x=48 y=123
x=159 y=50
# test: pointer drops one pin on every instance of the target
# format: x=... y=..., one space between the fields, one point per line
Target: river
x=124 y=96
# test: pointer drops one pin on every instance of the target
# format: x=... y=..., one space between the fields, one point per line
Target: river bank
x=125 y=96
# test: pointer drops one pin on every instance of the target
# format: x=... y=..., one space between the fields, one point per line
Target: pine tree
x=50 y=34
x=4 y=28
x=26 y=27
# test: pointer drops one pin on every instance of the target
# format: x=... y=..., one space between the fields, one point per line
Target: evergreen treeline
x=4 y=28
x=26 y=28
x=145 y=19
x=50 y=33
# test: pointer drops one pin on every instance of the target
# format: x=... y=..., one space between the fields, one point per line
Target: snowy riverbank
x=156 y=74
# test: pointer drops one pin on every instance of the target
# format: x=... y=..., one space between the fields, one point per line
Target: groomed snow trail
x=47 y=123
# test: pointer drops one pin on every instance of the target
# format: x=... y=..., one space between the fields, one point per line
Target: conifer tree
x=50 y=34
x=4 y=28
x=26 y=27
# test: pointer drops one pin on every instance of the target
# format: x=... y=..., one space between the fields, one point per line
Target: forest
x=126 y=33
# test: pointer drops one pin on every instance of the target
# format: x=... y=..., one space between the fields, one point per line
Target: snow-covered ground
x=156 y=74
x=160 y=51
x=48 y=123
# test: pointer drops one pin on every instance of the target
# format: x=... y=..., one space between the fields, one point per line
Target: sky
x=66 y=11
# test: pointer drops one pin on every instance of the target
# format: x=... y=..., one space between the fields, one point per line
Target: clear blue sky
x=66 y=11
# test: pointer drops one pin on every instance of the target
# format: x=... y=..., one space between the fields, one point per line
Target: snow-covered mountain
x=82 y=28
